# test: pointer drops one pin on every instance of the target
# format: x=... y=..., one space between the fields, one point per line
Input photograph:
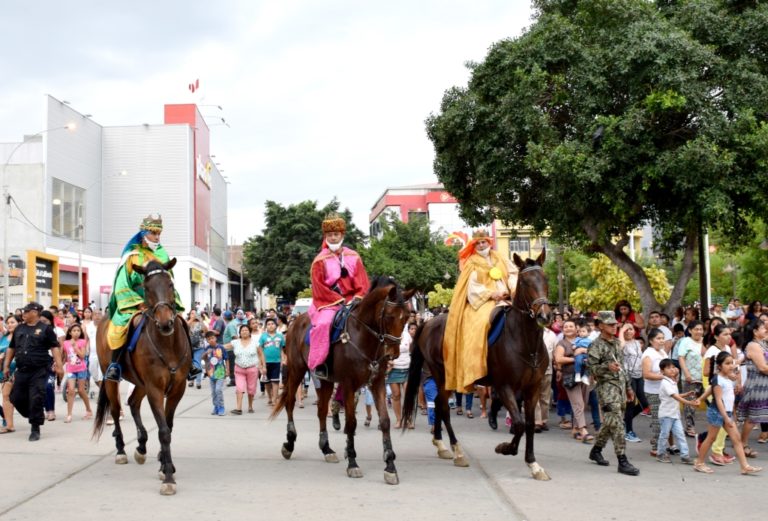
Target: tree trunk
x=615 y=252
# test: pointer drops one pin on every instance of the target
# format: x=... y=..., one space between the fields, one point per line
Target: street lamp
x=7 y=213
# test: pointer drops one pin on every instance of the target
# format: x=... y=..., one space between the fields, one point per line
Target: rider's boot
x=494 y=412
x=114 y=371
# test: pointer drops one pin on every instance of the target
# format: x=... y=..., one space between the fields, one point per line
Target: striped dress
x=754 y=403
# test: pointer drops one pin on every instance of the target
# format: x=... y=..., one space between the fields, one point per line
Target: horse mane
x=379 y=285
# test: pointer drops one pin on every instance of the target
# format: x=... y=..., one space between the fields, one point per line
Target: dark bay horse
x=158 y=368
x=370 y=339
x=516 y=365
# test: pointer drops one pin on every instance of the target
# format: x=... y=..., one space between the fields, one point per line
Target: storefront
x=42 y=278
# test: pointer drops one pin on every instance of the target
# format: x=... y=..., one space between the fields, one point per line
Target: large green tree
x=281 y=256
x=412 y=254
x=609 y=114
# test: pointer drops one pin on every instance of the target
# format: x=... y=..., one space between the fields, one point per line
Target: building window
x=519 y=246
x=416 y=214
x=67 y=209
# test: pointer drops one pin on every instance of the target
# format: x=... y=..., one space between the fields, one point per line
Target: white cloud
x=323 y=99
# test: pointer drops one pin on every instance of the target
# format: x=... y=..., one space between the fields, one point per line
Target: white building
x=79 y=191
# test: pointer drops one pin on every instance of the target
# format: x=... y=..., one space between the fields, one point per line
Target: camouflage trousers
x=337 y=400
x=612 y=427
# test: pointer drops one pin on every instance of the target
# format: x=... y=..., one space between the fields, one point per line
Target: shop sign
x=195 y=276
x=43 y=274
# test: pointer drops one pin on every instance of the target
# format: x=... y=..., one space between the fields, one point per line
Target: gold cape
x=465 y=344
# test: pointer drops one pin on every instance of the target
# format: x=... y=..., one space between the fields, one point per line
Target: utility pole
x=81 y=232
x=6 y=270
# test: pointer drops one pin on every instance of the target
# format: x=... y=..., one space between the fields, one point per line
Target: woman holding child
x=577 y=391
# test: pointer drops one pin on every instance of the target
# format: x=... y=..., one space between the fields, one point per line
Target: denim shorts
x=715 y=418
x=80 y=375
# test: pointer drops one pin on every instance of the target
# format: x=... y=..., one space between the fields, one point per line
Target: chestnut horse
x=516 y=362
x=157 y=367
x=370 y=339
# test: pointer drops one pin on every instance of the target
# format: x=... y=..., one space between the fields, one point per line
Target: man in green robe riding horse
x=127 y=297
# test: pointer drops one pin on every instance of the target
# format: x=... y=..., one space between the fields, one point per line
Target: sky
x=324 y=98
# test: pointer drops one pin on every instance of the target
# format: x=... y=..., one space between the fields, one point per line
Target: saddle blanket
x=339 y=321
x=136 y=334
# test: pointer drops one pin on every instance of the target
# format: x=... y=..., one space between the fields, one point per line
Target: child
x=218 y=371
x=720 y=413
x=580 y=348
x=77 y=371
x=669 y=413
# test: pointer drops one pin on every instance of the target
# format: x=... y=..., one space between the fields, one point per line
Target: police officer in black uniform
x=30 y=345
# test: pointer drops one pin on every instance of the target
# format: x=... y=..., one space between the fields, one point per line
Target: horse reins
x=150 y=315
x=533 y=358
x=383 y=338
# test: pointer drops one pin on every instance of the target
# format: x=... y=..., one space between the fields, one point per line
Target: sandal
x=700 y=467
x=470 y=415
x=301 y=405
x=588 y=438
x=459 y=411
x=6 y=430
x=690 y=432
x=750 y=470
x=565 y=425
x=749 y=452
x=68 y=419
x=250 y=410
x=88 y=415
x=578 y=437
x=423 y=412
x=236 y=412
x=368 y=421
x=763 y=437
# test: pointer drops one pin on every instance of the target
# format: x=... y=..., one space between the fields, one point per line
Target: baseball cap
x=33 y=306
x=228 y=314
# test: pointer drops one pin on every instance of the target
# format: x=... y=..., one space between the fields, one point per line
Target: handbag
x=569 y=380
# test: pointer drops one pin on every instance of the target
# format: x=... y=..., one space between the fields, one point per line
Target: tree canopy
x=609 y=114
x=280 y=258
x=412 y=254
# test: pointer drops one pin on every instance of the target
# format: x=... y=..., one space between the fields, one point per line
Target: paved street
x=228 y=466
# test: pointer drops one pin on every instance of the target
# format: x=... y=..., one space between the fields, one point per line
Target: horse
x=516 y=363
x=370 y=339
x=157 y=367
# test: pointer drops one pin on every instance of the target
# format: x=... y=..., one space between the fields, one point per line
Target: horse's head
x=532 y=290
x=159 y=295
x=389 y=311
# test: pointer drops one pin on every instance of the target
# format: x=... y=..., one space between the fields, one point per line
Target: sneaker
x=728 y=458
x=632 y=437
x=215 y=411
x=687 y=460
x=222 y=411
x=717 y=459
x=585 y=380
x=663 y=458
x=577 y=378
x=673 y=449
x=646 y=412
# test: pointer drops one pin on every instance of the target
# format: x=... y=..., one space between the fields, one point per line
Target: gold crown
x=334 y=222
x=480 y=234
x=152 y=222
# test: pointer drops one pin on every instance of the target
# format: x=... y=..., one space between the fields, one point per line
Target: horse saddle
x=136 y=326
x=498 y=319
x=339 y=323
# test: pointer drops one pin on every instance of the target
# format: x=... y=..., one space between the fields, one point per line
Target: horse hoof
x=331 y=458
x=354 y=472
x=286 y=453
x=504 y=448
x=538 y=473
x=121 y=459
x=461 y=461
x=139 y=457
x=391 y=478
x=167 y=489
x=444 y=454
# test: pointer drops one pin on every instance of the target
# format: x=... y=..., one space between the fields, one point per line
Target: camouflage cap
x=607 y=317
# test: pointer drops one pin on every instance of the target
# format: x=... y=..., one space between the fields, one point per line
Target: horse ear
x=139 y=269
x=407 y=294
x=168 y=266
x=518 y=261
x=542 y=257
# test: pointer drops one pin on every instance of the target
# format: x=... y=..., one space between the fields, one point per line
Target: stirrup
x=114 y=372
x=321 y=372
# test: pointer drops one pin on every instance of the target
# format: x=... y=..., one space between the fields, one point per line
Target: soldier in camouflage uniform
x=613 y=392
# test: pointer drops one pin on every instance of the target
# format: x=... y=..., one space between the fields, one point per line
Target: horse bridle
x=385 y=339
x=150 y=314
x=531 y=309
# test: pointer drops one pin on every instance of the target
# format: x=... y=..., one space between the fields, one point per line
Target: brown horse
x=370 y=339
x=157 y=367
x=516 y=361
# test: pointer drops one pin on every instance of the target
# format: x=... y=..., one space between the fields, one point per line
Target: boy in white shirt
x=669 y=413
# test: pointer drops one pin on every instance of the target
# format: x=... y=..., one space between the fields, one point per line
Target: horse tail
x=102 y=408
x=279 y=405
x=414 y=379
